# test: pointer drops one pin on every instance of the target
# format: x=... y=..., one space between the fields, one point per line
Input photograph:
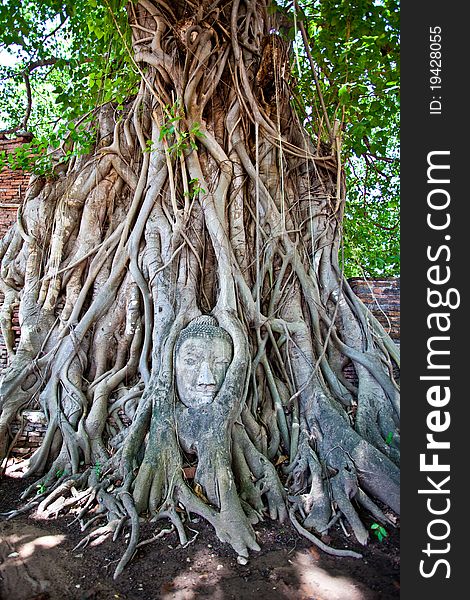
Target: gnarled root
x=205 y=198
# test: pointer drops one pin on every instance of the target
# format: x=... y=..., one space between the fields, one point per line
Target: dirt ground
x=38 y=562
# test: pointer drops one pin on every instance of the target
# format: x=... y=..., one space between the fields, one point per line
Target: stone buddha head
x=203 y=354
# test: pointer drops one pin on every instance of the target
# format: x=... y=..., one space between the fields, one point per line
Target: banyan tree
x=185 y=322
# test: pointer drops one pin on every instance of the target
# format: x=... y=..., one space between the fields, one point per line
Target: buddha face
x=201 y=366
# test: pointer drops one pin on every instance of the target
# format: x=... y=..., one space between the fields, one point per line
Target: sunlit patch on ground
x=27 y=549
x=300 y=578
x=38 y=557
x=319 y=583
x=29 y=561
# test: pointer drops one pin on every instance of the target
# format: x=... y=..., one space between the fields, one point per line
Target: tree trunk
x=181 y=302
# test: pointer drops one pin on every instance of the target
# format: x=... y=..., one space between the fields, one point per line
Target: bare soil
x=38 y=562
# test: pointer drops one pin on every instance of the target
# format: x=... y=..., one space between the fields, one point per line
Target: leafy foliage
x=379 y=531
x=39 y=155
x=74 y=56
x=372 y=218
x=355 y=50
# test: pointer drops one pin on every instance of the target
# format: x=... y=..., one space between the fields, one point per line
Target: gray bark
x=233 y=213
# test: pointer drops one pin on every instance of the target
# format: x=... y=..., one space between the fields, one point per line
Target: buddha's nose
x=206 y=377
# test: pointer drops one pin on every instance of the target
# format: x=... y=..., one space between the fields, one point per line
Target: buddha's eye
x=190 y=361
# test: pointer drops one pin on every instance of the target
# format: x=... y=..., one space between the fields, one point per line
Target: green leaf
x=344 y=94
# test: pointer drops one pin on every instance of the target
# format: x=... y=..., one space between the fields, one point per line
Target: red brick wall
x=382 y=298
x=13 y=186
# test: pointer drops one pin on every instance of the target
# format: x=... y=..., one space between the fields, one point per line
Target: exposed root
x=319 y=543
x=203 y=204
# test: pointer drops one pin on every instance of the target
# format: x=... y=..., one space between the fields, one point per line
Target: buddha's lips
x=208 y=393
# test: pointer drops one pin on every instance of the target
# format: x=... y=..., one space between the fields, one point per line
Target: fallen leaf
x=200 y=493
x=314 y=553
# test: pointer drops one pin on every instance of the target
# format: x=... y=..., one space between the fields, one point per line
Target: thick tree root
x=203 y=199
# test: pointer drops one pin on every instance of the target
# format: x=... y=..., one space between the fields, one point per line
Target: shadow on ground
x=37 y=562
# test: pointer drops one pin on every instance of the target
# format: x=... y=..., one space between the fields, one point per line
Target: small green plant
x=149 y=146
x=195 y=188
x=41 y=488
x=379 y=531
x=389 y=438
x=97 y=469
x=183 y=140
